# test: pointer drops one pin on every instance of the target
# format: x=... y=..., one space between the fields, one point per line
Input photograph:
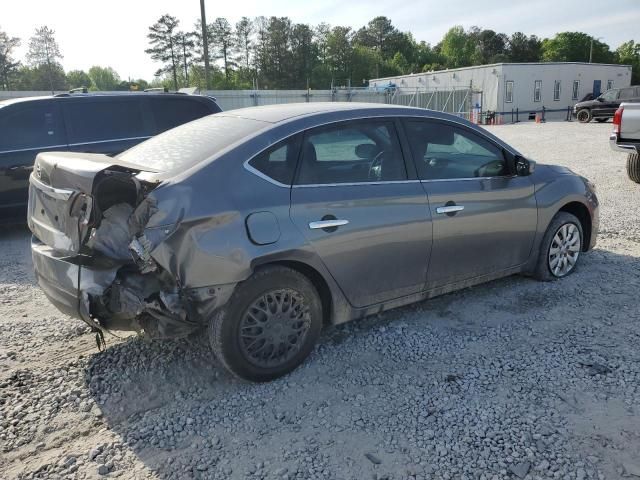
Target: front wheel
x=633 y=166
x=560 y=248
x=584 y=115
x=269 y=326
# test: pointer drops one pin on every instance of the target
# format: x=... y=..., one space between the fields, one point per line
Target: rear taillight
x=617 y=120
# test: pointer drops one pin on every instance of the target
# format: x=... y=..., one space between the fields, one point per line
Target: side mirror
x=524 y=166
x=600 y=99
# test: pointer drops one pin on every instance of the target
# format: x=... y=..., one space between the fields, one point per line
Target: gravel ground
x=512 y=379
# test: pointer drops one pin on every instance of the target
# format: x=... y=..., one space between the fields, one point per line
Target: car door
x=26 y=128
x=484 y=217
x=606 y=104
x=354 y=203
x=105 y=124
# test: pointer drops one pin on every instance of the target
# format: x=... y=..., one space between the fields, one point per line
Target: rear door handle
x=450 y=209
x=327 y=224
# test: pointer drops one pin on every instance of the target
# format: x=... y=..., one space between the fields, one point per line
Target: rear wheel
x=633 y=167
x=560 y=248
x=584 y=115
x=269 y=326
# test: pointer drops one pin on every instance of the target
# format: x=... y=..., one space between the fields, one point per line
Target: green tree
x=8 y=66
x=164 y=47
x=223 y=43
x=629 y=54
x=339 y=55
x=41 y=77
x=44 y=52
x=104 y=78
x=186 y=45
x=78 y=78
x=244 y=40
x=523 y=48
x=487 y=46
x=304 y=55
x=575 y=47
x=456 y=48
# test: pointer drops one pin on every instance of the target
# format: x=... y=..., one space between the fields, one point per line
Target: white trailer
x=520 y=87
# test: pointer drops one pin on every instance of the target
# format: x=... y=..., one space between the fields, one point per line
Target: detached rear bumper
x=622 y=145
x=67 y=281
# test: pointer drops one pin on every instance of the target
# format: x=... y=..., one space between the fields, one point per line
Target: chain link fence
x=457 y=101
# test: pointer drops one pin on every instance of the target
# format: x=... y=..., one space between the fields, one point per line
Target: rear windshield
x=194 y=142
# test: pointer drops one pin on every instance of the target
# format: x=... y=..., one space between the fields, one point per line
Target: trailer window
x=537 y=91
x=508 y=91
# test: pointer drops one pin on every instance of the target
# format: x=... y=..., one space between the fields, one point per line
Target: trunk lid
x=62 y=201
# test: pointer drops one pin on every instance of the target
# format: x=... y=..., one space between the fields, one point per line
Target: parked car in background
x=603 y=107
x=92 y=123
x=264 y=224
x=626 y=137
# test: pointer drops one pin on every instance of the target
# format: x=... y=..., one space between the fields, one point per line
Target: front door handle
x=450 y=209
x=333 y=223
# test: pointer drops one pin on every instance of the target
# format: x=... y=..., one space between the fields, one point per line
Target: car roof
x=13 y=101
x=284 y=112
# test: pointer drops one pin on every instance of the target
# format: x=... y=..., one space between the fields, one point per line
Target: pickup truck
x=626 y=137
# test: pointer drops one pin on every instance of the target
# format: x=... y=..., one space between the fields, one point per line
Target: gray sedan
x=262 y=225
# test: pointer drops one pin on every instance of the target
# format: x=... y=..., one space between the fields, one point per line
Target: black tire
x=633 y=167
x=584 y=115
x=543 y=271
x=601 y=120
x=274 y=283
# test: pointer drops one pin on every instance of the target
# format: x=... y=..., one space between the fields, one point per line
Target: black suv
x=94 y=123
x=603 y=107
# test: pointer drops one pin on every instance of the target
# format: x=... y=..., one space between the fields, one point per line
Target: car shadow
x=16 y=266
x=175 y=408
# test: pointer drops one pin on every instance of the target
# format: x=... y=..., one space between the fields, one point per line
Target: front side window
x=279 y=161
x=96 y=121
x=508 y=91
x=537 y=91
x=445 y=152
x=576 y=90
x=556 y=90
x=352 y=152
x=30 y=126
x=609 y=96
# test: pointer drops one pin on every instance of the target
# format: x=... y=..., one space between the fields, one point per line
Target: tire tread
x=633 y=167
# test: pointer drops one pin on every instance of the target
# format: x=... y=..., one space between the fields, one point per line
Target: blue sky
x=114 y=33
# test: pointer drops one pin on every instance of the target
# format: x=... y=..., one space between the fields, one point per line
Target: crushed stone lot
x=512 y=379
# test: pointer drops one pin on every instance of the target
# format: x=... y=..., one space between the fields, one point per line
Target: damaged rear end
x=92 y=250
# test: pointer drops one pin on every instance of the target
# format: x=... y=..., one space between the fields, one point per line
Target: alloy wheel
x=583 y=116
x=274 y=328
x=564 y=250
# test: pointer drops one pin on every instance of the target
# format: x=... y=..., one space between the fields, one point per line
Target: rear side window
x=95 y=121
x=279 y=162
x=446 y=152
x=627 y=93
x=35 y=126
x=171 y=112
x=187 y=145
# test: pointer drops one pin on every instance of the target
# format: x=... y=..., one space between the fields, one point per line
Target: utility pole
x=205 y=44
x=591 y=49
